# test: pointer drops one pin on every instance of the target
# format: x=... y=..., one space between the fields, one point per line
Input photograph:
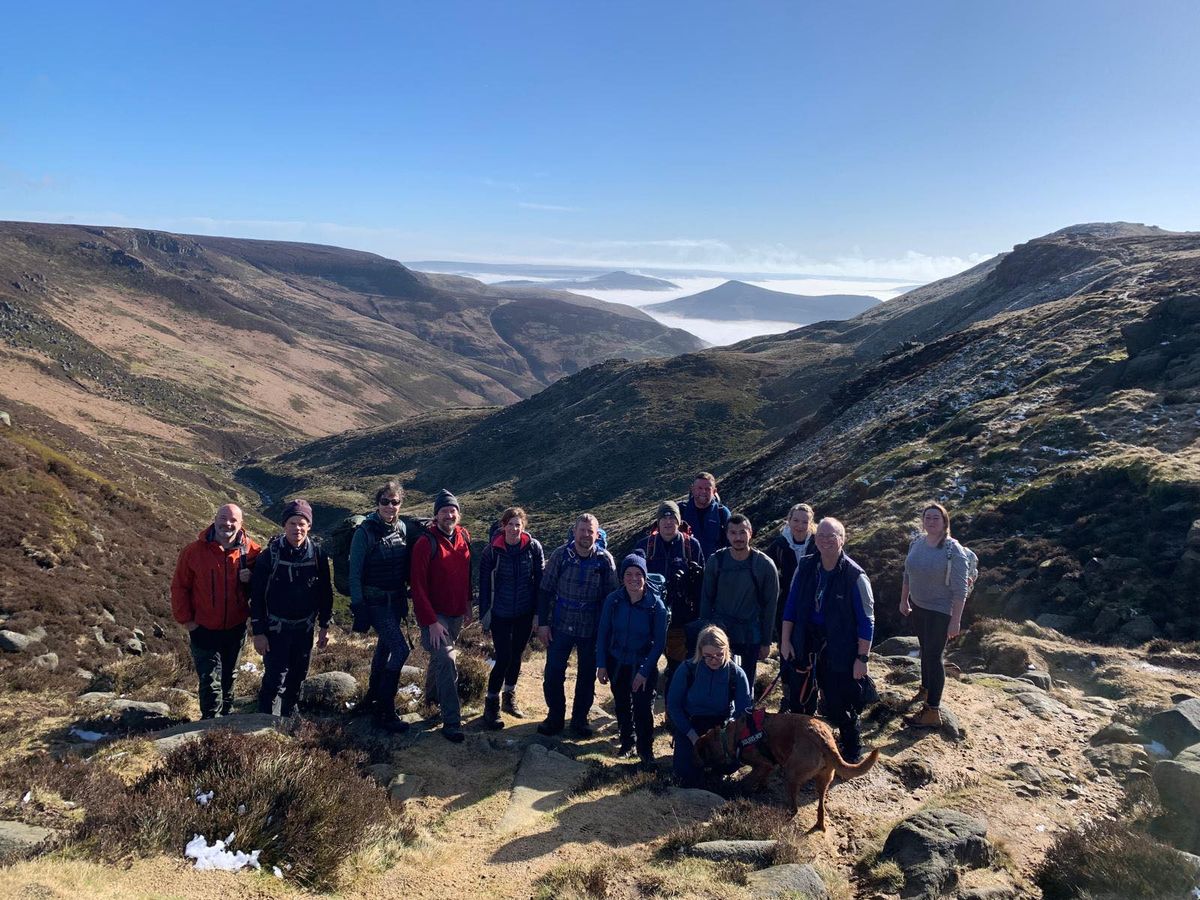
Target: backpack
x=601 y=538
x=684 y=529
x=339 y=542
x=972 y=563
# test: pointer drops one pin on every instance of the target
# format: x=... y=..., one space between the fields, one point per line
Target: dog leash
x=770 y=687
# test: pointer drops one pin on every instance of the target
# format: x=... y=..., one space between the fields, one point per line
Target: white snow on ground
x=410 y=690
x=89 y=736
x=28 y=796
x=248 y=667
x=1157 y=749
x=217 y=857
x=204 y=799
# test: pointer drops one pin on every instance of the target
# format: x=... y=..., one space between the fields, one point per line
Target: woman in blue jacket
x=706 y=692
x=510 y=570
x=629 y=642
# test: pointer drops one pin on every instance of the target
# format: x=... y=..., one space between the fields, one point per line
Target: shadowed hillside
x=1047 y=395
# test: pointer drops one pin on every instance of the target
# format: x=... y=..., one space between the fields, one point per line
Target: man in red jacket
x=440 y=579
x=208 y=598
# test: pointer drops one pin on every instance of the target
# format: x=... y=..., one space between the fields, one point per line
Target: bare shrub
x=306 y=811
x=575 y=881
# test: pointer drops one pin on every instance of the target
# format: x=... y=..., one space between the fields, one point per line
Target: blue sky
x=897 y=139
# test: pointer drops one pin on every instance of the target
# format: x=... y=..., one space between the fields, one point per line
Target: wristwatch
x=862 y=658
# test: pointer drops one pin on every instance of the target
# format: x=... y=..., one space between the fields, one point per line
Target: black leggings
x=509 y=637
x=932 y=628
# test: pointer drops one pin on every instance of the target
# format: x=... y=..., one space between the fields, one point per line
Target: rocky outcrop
x=18 y=840
x=789 y=880
x=753 y=852
x=329 y=690
x=930 y=845
x=1177 y=728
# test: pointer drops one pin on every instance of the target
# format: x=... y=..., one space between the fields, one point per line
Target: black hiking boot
x=581 y=730
x=508 y=703
x=550 y=727
x=453 y=733
x=384 y=714
x=491 y=713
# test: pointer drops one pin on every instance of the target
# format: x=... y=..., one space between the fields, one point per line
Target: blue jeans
x=555 y=677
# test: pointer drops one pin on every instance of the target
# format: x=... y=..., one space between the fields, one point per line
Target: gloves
x=361 y=623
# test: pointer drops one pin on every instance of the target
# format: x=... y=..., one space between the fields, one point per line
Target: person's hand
x=191 y=626
x=764 y=652
x=639 y=682
x=694 y=737
x=602 y=675
x=905 y=606
x=544 y=634
x=786 y=651
x=323 y=637
x=954 y=630
x=244 y=576
x=860 y=669
x=437 y=635
x=261 y=645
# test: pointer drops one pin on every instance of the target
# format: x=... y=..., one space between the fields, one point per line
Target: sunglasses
x=390 y=501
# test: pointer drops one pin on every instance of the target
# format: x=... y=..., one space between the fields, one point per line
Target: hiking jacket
x=572 y=588
x=632 y=634
x=741 y=596
x=708 y=524
x=289 y=586
x=671 y=562
x=509 y=576
x=379 y=562
x=205 y=588
x=846 y=614
x=441 y=580
x=709 y=694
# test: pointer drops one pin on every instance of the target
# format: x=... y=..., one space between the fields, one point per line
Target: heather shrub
x=1112 y=859
x=305 y=810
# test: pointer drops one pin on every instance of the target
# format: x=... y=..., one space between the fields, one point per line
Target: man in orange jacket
x=208 y=598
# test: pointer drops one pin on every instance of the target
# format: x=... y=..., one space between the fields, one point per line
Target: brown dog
x=801 y=745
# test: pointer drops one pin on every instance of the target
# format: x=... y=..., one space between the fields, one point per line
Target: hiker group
x=693 y=590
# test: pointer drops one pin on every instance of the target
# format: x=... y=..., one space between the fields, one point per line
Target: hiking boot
x=550 y=727
x=491 y=713
x=647 y=764
x=391 y=723
x=851 y=753
x=928 y=717
x=581 y=730
x=453 y=733
x=920 y=697
x=508 y=703
x=625 y=749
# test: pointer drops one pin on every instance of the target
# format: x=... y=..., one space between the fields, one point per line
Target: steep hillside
x=736 y=300
x=240 y=341
x=1049 y=395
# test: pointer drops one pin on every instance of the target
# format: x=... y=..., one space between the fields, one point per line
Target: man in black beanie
x=290 y=592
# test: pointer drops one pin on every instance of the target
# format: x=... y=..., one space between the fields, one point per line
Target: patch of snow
x=491 y=664
x=410 y=690
x=241 y=809
x=248 y=667
x=204 y=798
x=1157 y=749
x=28 y=796
x=89 y=736
x=217 y=857
x=914 y=652
x=1040 y=829
x=275 y=871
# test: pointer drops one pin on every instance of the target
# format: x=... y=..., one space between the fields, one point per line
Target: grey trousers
x=441 y=682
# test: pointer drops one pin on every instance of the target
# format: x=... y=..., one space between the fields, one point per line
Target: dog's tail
x=846 y=770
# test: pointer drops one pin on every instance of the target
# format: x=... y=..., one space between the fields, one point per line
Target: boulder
x=901 y=645
x=1038 y=679
x=134 y=646
x=47 y=661
x=913 y=772
x=383 y=773
x=694 y=802
x=1189 y=754
x=403 y=787
x=789 y=880
x=1178 y=786
x=1119 y=758
x=11 y=642
x=1038 y=704
x=18 y=840
x=411 y=672
x=951 y=730
x=1064 y=624
x=1177 y=728
x=929 y=846
x=1116 y=733
x=329 y=690
x=1108 y=621
x=757 y=853
x=243 y=723
x=5 y=420
x=1138 y=630
x=1029 y=773
x=542 y=782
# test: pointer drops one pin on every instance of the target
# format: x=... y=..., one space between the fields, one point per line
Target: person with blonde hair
x=706 y=692
x=934 y=594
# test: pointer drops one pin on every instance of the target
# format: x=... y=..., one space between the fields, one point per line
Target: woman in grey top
x=934 y=594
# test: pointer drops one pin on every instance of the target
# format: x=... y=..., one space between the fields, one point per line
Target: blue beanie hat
x=636 y=558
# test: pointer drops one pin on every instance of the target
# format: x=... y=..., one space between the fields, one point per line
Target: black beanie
x=298 y=507
x=445 y=498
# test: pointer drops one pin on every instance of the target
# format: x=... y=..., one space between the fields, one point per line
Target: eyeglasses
x=832 y=536
x=714 y=657
x=390 y=501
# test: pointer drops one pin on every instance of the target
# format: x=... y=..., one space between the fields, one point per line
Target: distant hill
x=738 y=301
x=612 y=281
